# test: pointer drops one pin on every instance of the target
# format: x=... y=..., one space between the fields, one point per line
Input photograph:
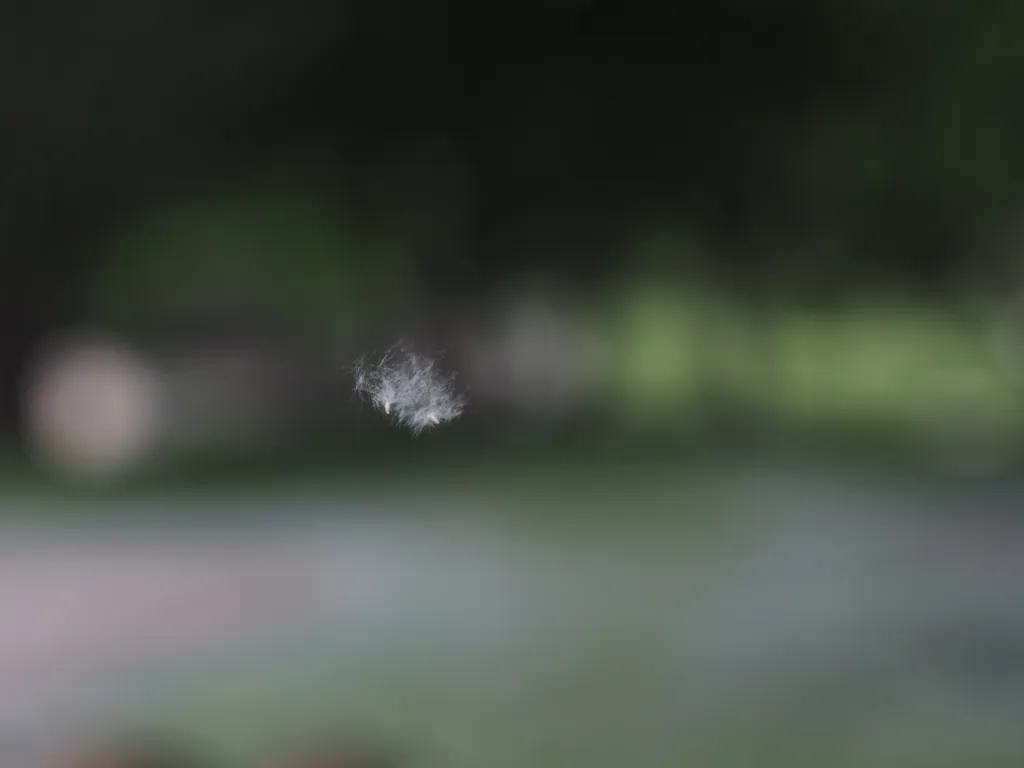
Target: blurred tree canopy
x=820 y=147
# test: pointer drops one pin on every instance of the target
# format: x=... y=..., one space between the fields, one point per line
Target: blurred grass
x=428 y=691
x=578 y=461
x=588 y=688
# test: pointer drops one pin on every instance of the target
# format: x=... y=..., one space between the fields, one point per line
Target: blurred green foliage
x=267 y=249
x=734 y=187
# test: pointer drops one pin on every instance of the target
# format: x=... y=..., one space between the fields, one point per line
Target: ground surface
x=718 y=617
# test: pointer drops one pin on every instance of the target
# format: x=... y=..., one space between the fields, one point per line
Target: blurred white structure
x=537 y=359
x=98 y=410
x=94 y=408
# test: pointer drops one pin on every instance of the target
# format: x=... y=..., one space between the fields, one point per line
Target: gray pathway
x=889 y=620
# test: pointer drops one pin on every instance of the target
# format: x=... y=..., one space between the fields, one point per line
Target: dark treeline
x=825 y=145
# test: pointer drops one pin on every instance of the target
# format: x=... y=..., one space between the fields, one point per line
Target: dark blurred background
x=675 y=222
x=766 y=253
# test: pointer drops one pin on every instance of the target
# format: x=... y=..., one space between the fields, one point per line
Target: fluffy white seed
x=409 y=388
